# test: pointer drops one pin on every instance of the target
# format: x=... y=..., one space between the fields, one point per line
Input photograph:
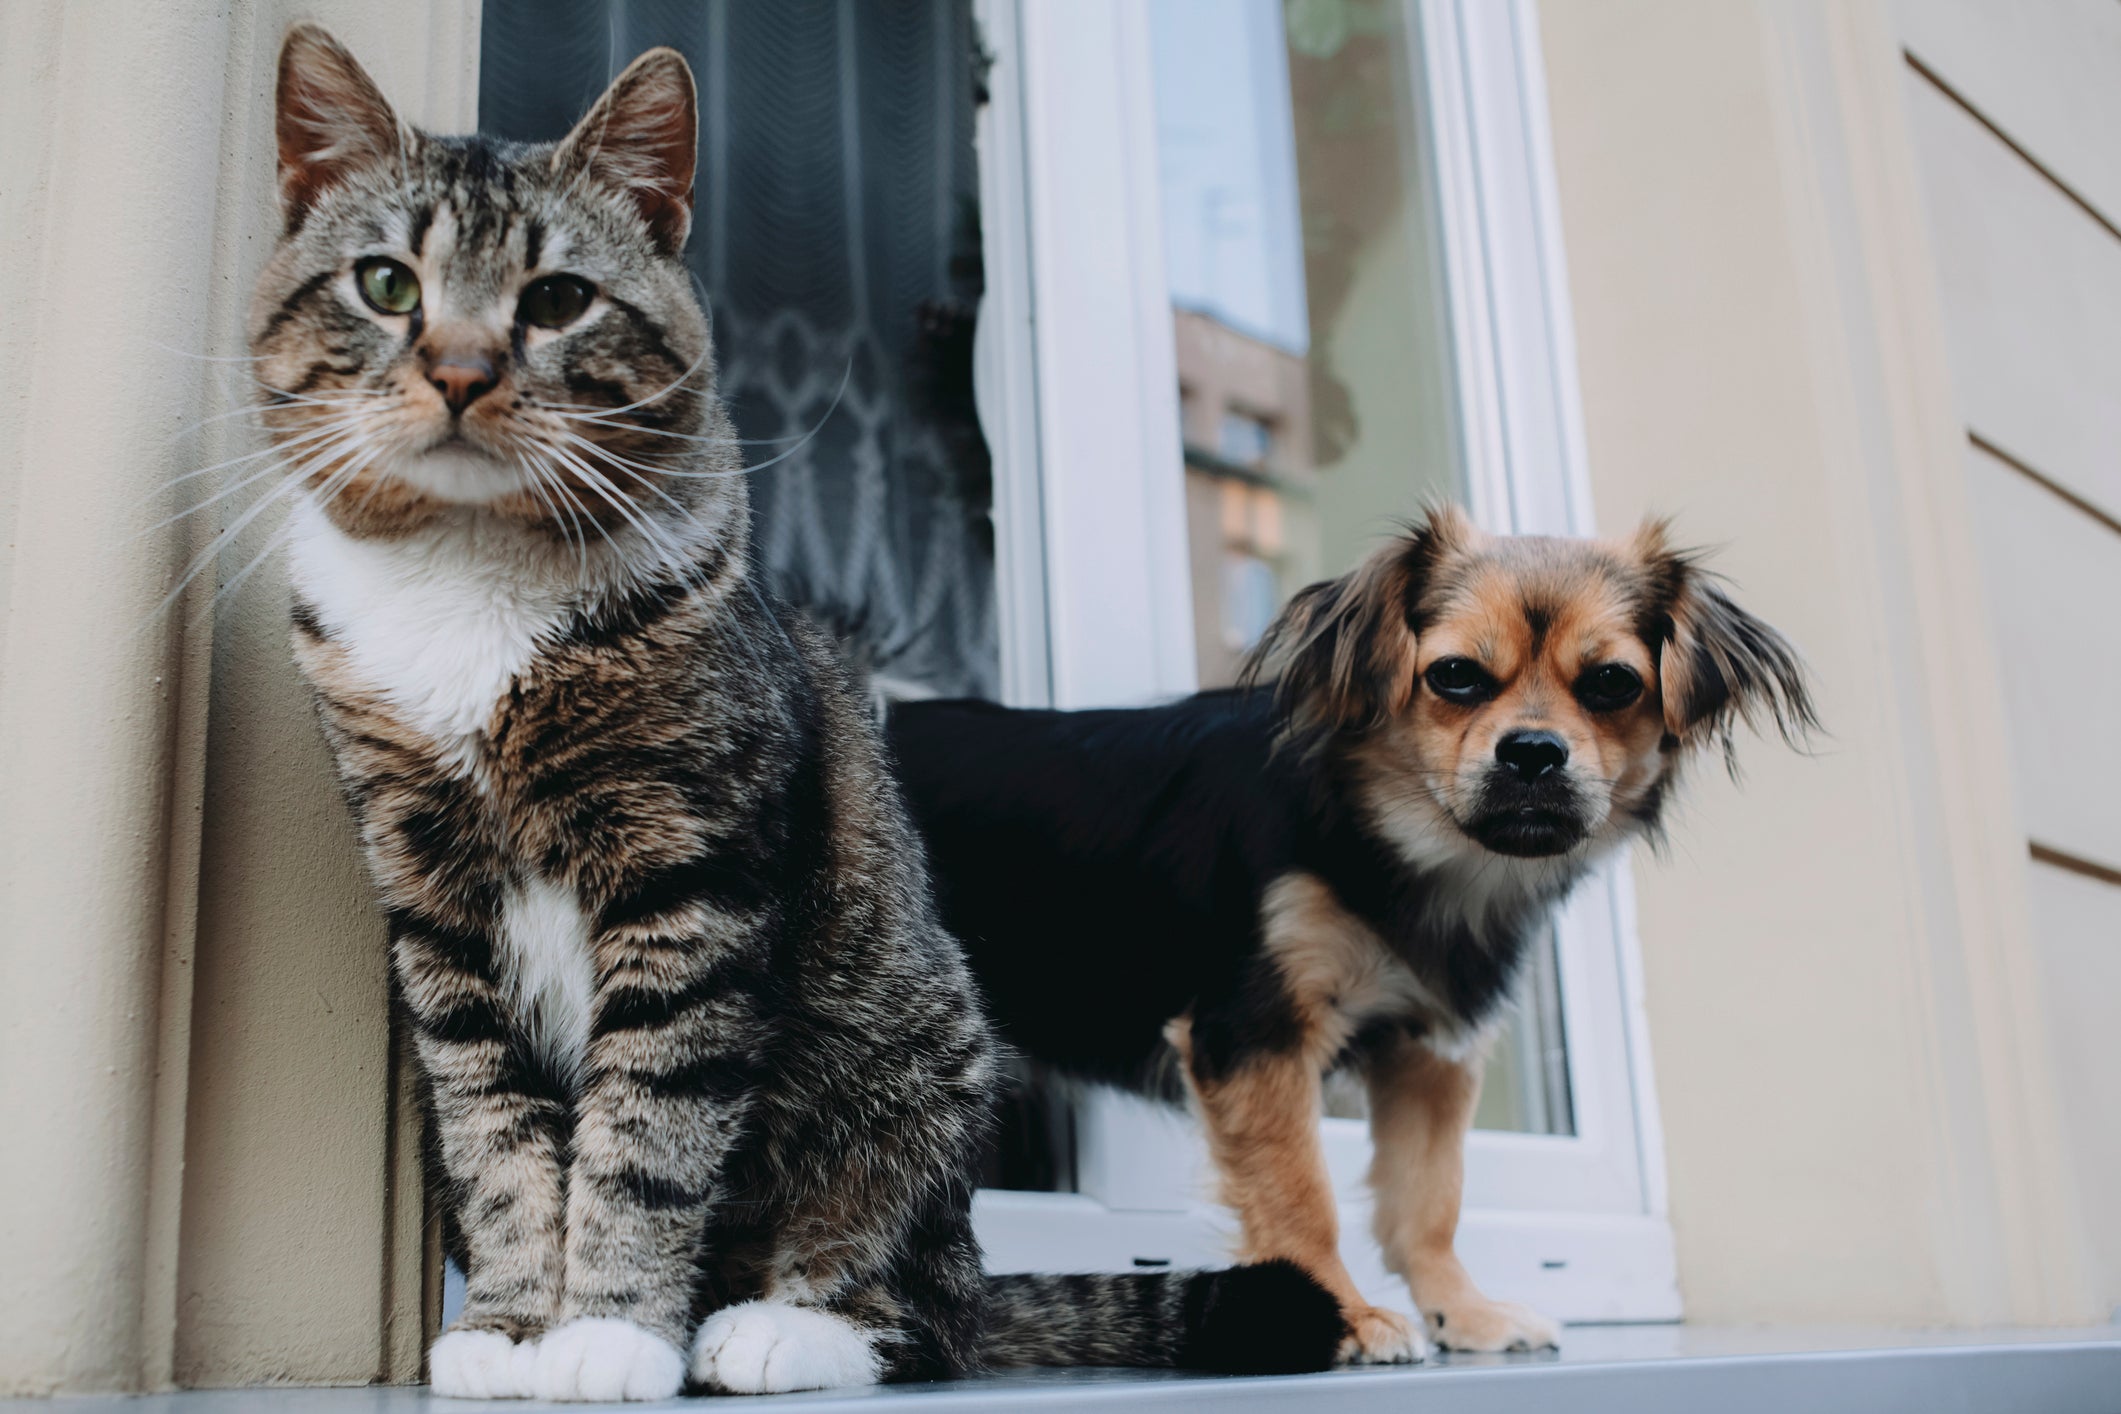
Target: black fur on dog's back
x=1105 y=869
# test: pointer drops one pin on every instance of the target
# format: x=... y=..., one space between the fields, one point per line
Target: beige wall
x=200 y=1180
x=2015 y=112
x=1864 y=1116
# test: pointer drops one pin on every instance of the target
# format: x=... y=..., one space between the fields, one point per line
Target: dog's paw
x=602 y=1358
x=480 y=1365
x=1476 y=1323
x=771 y=1347
x=1377 y=1336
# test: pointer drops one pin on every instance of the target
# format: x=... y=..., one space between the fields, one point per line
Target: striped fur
x=708 y=1078
x=1269 y=1318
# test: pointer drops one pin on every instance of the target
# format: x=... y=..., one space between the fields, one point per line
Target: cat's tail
x=1270 y=1318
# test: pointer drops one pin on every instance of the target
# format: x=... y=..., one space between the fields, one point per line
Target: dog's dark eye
x=1459 y=680
x=555 y=301
x=1608 y=688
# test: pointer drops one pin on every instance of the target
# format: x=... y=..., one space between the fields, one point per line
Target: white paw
x=602 y=1358
x=1475 y=1323
x=1378 y=1336
x=480 y=1365
x=770 y=1347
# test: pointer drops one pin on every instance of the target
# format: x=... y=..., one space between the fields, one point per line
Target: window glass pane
x=1313 y=352
x=837 y=236
x=1527 y=1084
x=1310 y=338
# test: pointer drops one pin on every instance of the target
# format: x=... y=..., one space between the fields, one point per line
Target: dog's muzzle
x=1528 y=806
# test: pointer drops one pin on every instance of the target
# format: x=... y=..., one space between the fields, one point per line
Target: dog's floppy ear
x=1718 y=665
x=1341 y=654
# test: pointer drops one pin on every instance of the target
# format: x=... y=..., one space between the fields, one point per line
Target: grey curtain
x=837 y=238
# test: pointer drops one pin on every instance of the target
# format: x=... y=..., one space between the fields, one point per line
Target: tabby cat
x=708 y=1079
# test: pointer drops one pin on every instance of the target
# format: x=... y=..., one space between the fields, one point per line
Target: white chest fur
x=547 y=970
x=439 y=623
x=1342 y=975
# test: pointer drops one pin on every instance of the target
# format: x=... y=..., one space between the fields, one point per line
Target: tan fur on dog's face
x=1523 y=696
x=1544 y=633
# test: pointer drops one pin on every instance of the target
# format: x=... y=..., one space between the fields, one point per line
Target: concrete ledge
x=1609 y=1370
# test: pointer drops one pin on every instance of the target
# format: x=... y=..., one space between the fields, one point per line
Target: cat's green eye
x=388 y=286
x=555 y=301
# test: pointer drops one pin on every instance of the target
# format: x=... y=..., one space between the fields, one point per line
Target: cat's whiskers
x=605 y=417
x=685 y=475
x=294 y=440
x=298 y=471
x=563 y=412
x=687 y=568
x=562 y=415
x=560 y=486
x=552 y=509
x=683 y=380
x=241 y=483
x=590 y=454
x=603 y=453
x=682 y=509
x=254 y=409
x=276 y=399
x=678 y=559
x=323 y=496
x=577 y=512
x=668 y=553
x=375 y=486
x=348 y=393
x=346 y=429
x=276 y=396
x=645 y=430
x=603 y=409
x=208 y=358
x=542 y=484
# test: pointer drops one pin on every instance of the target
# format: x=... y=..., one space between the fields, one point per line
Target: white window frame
x=1078 y=391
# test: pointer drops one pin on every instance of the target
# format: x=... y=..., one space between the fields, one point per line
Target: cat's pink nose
x=462 y=379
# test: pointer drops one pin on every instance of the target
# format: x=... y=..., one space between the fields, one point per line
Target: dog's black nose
x=1532 y=754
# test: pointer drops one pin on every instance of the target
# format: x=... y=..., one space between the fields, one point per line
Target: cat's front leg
x=665 y=1091
x=500 y=1128
x=876 y=1274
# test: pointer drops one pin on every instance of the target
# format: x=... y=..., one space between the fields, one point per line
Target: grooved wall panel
x=2054 y=580
x=2048 y=72
x=2032 y=300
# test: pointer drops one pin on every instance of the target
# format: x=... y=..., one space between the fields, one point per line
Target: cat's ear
x=642 y=138
x=331 y=120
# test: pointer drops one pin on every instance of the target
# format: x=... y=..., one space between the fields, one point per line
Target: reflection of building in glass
x=1246 y=410
x=1313 y=358
x=1312 y=353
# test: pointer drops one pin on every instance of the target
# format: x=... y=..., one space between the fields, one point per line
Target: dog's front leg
x=1262 y=1118
x=1421 y=1105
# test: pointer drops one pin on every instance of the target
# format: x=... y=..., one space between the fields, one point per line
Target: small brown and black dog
x=1344 y=871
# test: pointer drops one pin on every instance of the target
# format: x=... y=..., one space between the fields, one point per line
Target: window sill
x=1613 y=1368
